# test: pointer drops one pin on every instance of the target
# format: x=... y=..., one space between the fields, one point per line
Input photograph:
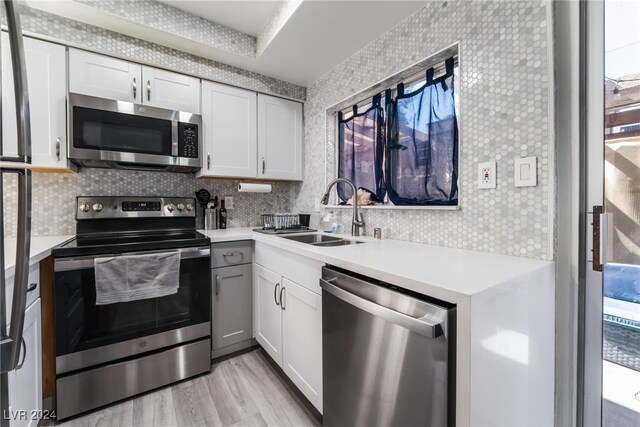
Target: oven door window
x=109 y=131
x=81 y=324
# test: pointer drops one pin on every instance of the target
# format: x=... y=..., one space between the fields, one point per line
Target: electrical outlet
x=316 y=205
x=228 y=202
x=487 y=175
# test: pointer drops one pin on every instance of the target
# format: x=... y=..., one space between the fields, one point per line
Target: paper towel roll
x=247 y=187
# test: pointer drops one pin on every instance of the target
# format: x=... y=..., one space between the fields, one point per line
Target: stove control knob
x=97 y=207
x=180 y=207
x=189 y=207
x=84 y=207
x=171 y=207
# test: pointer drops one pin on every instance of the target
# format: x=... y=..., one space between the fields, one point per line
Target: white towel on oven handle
x=135 y=277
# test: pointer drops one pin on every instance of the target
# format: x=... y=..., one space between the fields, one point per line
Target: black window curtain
x=361 y=151
x=422 y=143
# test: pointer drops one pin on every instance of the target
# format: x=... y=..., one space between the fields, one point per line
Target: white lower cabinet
x=25 y=384
x=268 y=313
x=302 y=340
x=289 y=327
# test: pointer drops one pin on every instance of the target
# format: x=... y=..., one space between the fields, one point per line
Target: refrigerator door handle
x=10 y=345
x=21 y=92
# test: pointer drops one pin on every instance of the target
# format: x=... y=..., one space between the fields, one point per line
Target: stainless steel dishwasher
x=388 y=354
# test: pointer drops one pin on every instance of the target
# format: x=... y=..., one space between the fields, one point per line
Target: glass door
x=620 y=228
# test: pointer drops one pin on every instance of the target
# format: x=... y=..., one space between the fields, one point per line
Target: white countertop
x=446 y=273
x=40 y=249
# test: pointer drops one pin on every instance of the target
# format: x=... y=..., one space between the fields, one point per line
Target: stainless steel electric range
x=108 y=352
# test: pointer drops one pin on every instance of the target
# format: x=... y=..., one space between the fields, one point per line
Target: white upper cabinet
x=229 y=122
x=46 y=82
x=279 y=138
x=105 y=77
x=173 y=91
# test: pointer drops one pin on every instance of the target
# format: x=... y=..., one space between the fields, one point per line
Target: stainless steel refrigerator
x=12 y=344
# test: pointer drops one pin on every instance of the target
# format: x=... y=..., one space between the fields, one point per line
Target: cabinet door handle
x=217 y=284
x=58 y=148
x=275 y=293
x=148 y=90
x=32 y=287
x=134 y=87
x=281 y=301
x=264 y=165
x=208 y=160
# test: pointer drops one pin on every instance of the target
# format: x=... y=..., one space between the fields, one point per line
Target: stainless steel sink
x=339 y=242
x=320 y=240
x=311 y=238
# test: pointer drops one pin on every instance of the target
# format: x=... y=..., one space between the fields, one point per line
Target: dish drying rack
x=280 y=221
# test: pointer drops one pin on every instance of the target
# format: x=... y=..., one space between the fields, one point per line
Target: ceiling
x=247 y=16
x=309 y=41
x=322 y=34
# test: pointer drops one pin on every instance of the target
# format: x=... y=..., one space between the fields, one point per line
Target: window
x=401 y=144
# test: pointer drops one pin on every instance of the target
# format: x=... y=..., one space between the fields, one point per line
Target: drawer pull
x=232 y=254
x=32 y=287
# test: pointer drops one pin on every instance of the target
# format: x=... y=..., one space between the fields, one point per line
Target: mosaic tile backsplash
x=504 y=113
x=175 y=21
x=54 y=196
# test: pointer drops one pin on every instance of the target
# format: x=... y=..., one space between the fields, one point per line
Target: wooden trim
x=47 y=304
x=622 y=118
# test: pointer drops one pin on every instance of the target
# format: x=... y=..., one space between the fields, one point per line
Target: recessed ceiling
x=311 y=39
x=322 y=34
x=247 y=16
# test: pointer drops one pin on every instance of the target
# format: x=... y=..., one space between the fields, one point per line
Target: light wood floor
x=246 y=390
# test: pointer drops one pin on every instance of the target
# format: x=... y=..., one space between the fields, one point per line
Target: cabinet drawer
x=230 y=253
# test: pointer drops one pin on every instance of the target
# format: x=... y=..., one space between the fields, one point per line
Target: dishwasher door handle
x=421 y=325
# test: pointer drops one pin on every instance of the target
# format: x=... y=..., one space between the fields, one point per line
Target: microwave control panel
x=188 y=140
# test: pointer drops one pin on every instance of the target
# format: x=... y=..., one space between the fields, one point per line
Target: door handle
x=264 y=165
x=217 y=284
x=58 y=148
x=600 y=238
x=10 y=346
x=420 y=325
x=275 y=293
x=281 y=301
x=208 y=160
x=21 y=91
x=148 y=90
x=134 y=87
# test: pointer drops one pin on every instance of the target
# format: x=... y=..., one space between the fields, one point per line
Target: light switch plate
x=487 y=175
x=228 y=202
x=526 y=174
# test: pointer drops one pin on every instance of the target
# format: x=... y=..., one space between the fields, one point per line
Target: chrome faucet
x=357 y=224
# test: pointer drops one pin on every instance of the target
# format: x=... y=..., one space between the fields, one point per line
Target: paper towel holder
x=250 y=187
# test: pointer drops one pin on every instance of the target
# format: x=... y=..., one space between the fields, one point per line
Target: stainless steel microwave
x=124 y=135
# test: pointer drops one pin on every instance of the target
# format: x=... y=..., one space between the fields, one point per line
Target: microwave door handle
x=174 y=138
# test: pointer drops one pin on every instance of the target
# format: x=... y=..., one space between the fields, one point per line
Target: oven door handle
x=70 y=264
